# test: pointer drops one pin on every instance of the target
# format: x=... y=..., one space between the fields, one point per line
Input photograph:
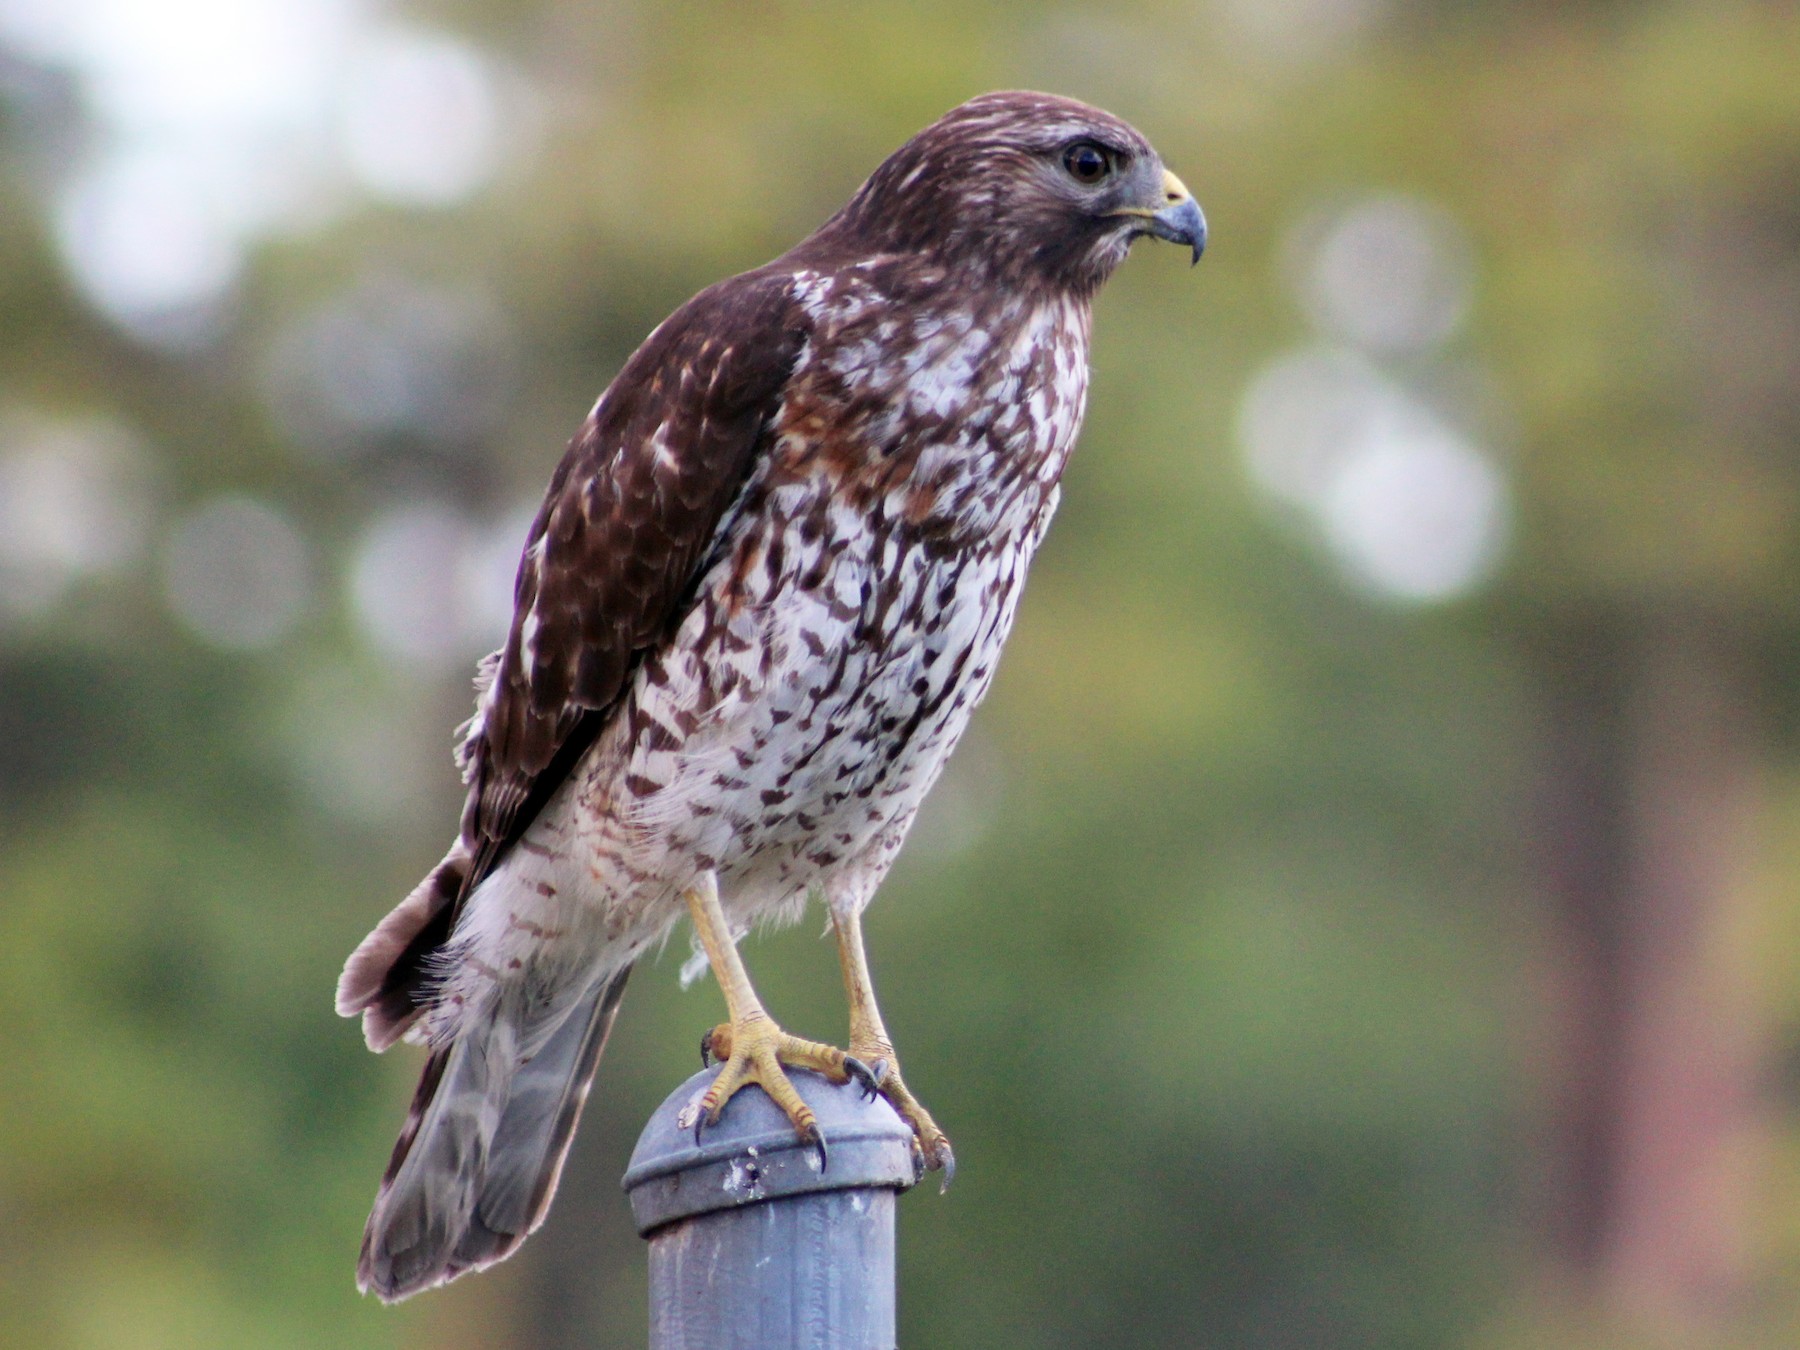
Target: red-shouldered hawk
x=766 y=589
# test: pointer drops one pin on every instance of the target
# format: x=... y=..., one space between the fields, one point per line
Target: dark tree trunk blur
x=1649 y=809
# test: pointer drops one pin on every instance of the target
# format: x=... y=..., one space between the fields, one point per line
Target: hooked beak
x=1178 y=219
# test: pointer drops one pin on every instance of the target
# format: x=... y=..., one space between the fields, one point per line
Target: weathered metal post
x=755 y=1246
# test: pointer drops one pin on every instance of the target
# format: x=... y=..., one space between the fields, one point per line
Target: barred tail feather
x=386 y=977
x=478 y=1160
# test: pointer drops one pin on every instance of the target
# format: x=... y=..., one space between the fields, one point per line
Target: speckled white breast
x=841 y=637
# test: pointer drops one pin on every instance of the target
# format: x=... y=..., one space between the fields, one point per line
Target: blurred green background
x=1367 y=911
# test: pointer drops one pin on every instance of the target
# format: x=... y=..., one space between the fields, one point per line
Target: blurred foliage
x=1217 y=952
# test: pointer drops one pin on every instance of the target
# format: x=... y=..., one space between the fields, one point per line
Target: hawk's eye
x=1087 y=163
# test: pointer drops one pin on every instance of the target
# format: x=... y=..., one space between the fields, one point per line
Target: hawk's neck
x=936 y=400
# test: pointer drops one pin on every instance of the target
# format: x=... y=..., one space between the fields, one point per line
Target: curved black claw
x=706 y=1054
x=868 y=1078
x=947 y=1160
x=703 y=1118
x=816 y=1137
x=942 y=1159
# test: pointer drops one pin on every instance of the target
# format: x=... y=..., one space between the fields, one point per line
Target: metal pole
x=754 y=1246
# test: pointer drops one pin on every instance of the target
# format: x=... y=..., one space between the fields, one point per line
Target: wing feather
x=610 y=565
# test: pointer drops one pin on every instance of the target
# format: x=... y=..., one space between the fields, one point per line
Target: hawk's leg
x=753 y=1047
x=869 y=1043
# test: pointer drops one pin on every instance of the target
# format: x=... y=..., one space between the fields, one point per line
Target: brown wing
x=610 y=567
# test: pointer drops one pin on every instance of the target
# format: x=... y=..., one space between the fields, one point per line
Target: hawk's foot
x=935 y=1153
x=756 y=1050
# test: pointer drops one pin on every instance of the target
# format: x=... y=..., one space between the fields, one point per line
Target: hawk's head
x=1032 y=185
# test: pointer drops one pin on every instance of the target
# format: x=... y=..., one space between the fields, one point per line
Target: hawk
x=767 y=586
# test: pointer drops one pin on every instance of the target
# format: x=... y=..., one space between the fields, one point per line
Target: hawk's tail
x=483 y=1145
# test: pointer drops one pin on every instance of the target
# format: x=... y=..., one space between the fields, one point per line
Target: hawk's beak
x=1179 y=221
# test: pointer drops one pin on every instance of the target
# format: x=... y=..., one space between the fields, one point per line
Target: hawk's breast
x=854 y=612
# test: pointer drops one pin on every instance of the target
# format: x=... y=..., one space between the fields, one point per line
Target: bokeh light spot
x=430 y=587
x=237 y=574
x=1417 y=512
x=419 y=120
x=1393 y=274
x=148 y=245
x=392 y=358
x=1407 y=506
x=74 y=497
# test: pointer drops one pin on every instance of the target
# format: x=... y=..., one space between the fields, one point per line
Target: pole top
x=753 y=1154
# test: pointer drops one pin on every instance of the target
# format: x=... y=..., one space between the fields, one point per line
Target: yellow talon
x=758 y=1051
x=752 y=1046
x=869 y=1043
x=935 y=1153
x=755 y=1050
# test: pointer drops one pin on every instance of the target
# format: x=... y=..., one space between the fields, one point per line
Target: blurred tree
x=1420 y=970
x=1655 y=348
